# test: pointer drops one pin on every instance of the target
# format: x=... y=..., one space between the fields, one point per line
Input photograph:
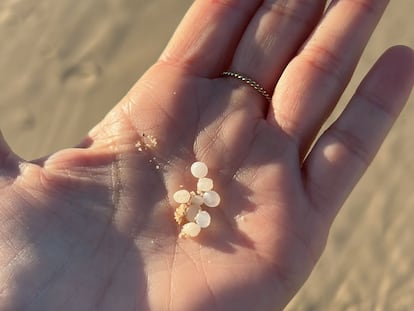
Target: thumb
x=9 y=161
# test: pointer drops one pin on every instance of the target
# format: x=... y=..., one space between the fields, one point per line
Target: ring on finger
x=252 y=83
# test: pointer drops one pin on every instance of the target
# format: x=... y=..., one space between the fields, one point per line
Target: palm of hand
x=98 y=223
x=92 y=227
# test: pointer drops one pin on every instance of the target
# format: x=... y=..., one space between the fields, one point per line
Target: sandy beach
x=64 y=64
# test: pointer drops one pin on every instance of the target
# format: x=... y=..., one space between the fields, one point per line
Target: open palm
x=92 y=228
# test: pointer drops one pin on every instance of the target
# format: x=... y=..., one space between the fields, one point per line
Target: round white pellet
x=182 y=196
x=204 y=184
x=203 y=219
x=197 y=200
x=211 y=198
x=199 y=169
x=192 y=212
x=191 y=229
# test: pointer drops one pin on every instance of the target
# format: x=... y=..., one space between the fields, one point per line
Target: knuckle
x=353 y=144
x=301 y=11
x=324 y=61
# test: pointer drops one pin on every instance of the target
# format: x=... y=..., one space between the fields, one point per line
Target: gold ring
x=248 y=81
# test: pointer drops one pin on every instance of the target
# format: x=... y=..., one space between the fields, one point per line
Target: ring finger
x=273 y=36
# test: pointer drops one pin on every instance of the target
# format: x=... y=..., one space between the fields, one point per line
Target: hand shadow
x=73 y=258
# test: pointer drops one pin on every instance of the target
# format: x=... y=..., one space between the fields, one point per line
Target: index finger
x=206 y=38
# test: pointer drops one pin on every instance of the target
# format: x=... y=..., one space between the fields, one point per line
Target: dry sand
x=64 y=64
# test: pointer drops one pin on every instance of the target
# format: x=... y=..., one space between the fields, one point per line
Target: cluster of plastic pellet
x=190 y=210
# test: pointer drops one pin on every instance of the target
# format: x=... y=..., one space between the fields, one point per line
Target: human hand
x=92 y=227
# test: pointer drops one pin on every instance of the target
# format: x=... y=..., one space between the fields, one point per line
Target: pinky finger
x=345 y=150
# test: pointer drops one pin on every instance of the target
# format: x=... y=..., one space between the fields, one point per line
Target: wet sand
x=64 y=64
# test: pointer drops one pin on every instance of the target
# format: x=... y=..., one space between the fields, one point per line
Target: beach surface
x=64 y=64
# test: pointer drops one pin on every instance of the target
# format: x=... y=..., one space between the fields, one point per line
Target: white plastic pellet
x=191 y=229
x=192 y=212
x=204 y=184
x=203 y=219
x=197 y=200
x=199 y=169
x=182 y=196
x=211 y=198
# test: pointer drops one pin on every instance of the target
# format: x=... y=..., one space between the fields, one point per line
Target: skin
x=91 y=227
